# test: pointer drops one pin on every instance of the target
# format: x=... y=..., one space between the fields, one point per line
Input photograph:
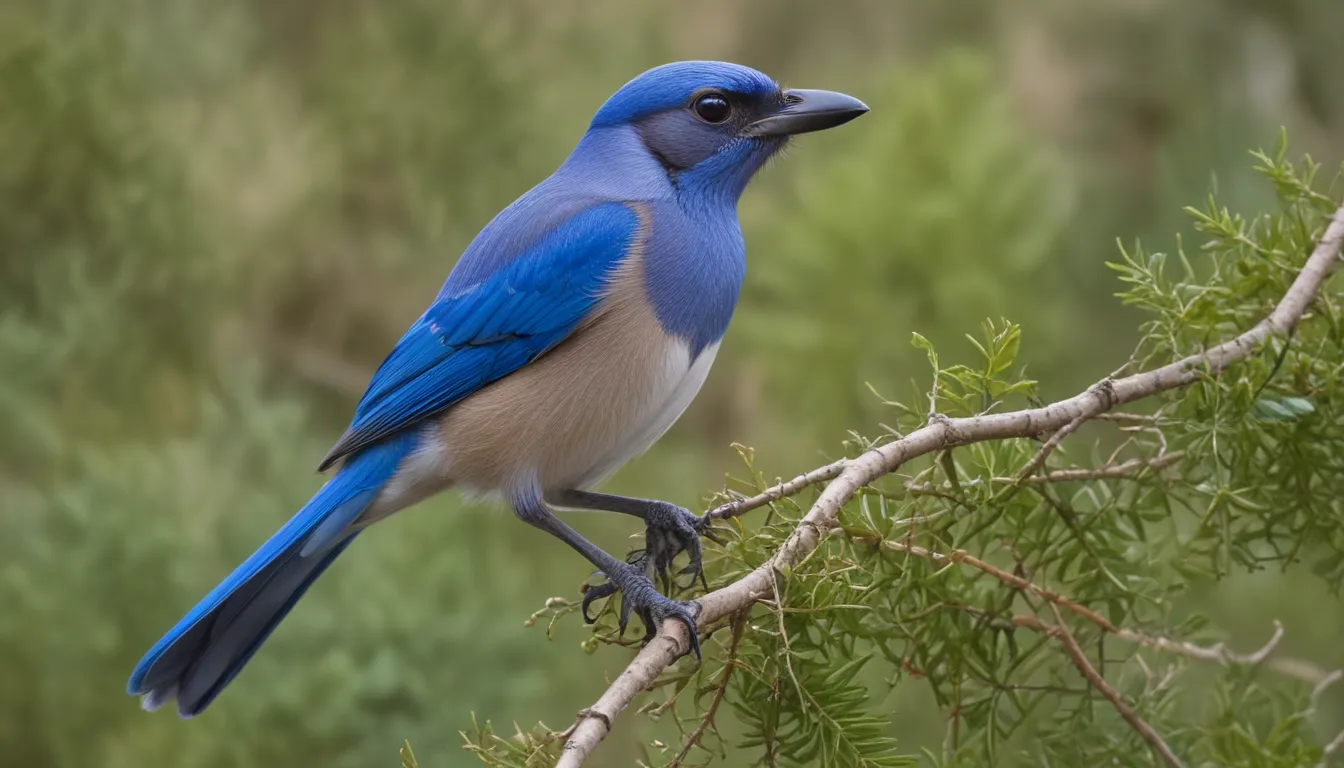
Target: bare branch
x=1085 y=667
x=940 y=434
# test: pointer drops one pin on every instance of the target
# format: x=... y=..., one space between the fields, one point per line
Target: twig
x=777 y=492
x=1139 y=418
x=739 y=624
x=1049 y=446
x=1218 y=653
x=671 y=642
x=1085 y=667
x=1125 y=469
x=1128 y=468
x=1336 y=743
x=1330 y=749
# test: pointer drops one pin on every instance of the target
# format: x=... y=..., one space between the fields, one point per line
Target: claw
x=689 y=623
x=626 y=605
x=639 y=597
x=671 y=531
x=707 y=531
x=694 y=570
x=596 y=592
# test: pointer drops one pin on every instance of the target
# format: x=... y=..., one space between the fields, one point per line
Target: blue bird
x=572 y=333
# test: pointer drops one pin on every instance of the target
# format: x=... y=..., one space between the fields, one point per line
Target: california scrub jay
x=573 y=332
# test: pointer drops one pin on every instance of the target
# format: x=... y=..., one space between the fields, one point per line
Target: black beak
x=806 y=111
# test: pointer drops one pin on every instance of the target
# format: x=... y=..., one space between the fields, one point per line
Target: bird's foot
x=638 y=596
x=672 y=530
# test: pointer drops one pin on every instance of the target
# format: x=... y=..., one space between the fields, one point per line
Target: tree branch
x=1126 y=469
x=1075 y=653
x=720 y=690
x=777 y=492
x=1130 y=468
x=1218 y=653
x=594 y=723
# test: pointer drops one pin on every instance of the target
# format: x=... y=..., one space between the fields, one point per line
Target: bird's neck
x=612 y=163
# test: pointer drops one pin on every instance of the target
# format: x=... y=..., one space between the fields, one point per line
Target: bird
x=575 y=328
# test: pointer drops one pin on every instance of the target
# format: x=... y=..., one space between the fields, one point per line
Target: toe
x=688 y=621
x=626 y=605
x=596 y=592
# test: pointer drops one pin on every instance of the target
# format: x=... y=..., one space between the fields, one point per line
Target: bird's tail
x=207 y=648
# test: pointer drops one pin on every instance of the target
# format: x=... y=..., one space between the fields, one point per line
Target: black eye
x=712 y=108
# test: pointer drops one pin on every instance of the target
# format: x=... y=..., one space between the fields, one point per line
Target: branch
x=1336 y=743
x=594 y=723
x=739 y=625
x=1084 y=666
x=1130 y=468
x=775 y=493
x=1218 y=653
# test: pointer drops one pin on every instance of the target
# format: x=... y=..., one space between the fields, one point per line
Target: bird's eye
x=712 y=108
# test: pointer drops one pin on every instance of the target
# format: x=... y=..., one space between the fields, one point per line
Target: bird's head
x=712 y=125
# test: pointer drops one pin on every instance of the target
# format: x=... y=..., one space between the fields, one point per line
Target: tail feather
x=206 y=649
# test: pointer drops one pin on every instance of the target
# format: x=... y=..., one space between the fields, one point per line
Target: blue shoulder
x=498 y=311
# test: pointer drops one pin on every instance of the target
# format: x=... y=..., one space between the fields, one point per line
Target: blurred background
x=216 y=218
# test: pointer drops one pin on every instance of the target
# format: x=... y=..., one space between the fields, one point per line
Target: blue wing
x=491 y=328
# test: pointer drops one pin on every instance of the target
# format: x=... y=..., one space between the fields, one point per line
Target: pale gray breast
x=581 y=411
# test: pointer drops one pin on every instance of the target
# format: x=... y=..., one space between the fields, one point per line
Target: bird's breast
x=575 y=415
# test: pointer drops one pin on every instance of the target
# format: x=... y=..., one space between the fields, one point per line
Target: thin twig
x=940 y=434
x=1140 y=418
x=1330 y=749
x=1218 y=653
x=1338 y=742
x=1049 y=446
x=706 y=722
x=1043 y=453
x=1130 y=468
x=1125 y=469
x=777 y=492
x=1085 y=667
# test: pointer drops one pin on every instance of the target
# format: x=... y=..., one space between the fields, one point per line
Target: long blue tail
x=207 y=648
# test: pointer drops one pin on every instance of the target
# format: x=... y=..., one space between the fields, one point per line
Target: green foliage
x=1269 y=432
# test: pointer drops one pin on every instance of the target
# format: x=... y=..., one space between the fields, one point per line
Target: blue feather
x=693 y=296
x=473 y=334
x=207 y=648
x=477 y=333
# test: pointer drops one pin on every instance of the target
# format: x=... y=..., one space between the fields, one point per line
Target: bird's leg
x=638 y=594
x=670 y=531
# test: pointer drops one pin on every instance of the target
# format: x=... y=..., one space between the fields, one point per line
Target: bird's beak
x=805 y=111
